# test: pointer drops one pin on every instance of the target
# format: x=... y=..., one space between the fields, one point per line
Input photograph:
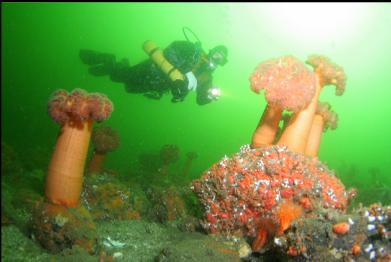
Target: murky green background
x=40 y=44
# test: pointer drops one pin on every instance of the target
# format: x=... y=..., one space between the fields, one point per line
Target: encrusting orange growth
x=75 y=113
x=260 y=240
x=287 y=213
x=292 y=251
x=356 y=249
x=341 y=228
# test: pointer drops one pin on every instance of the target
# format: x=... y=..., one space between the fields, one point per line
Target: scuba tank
x=157 y=56
x=182 y=83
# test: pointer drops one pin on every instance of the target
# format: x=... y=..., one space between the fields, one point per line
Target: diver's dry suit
x=148 y=79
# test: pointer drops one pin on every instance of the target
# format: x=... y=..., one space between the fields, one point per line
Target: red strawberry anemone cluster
x=261 y=191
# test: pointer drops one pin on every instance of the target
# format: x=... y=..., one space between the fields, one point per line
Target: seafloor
x=153 y=216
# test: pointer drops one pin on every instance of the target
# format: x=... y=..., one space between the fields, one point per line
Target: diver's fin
x=91 y=57
x=99 y=70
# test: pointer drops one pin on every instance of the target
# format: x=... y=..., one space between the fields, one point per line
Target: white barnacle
x=380 y=218
x=265 y=182
x=297 y=182
x=123 y=195
x=351 y=222
x=245 y=148
x=266 y=153
x=272 y=161
x=285 y=182
x=278 y=197
x=223 y=161
x=118 y=255
x=372 y=255
x=113 y=243
x=371 y=219
x=318 y=187
x=256 y=185
x=334 y=198
x=371 y=227
x=60 y=220
x=261 y=165
x=368 y=248
x=278 y=241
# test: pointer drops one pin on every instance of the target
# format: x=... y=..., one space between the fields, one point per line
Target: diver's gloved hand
x=179 y=90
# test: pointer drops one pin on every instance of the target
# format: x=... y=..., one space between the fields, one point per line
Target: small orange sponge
x=341 y=228
x=288 y=212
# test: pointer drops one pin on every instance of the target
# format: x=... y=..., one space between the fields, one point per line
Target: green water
x=40 y=45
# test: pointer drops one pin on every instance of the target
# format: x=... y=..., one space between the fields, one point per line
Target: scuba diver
x=180 y=68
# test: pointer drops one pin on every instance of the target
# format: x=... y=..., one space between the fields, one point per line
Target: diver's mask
x=217 y=56
x=211 y=66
